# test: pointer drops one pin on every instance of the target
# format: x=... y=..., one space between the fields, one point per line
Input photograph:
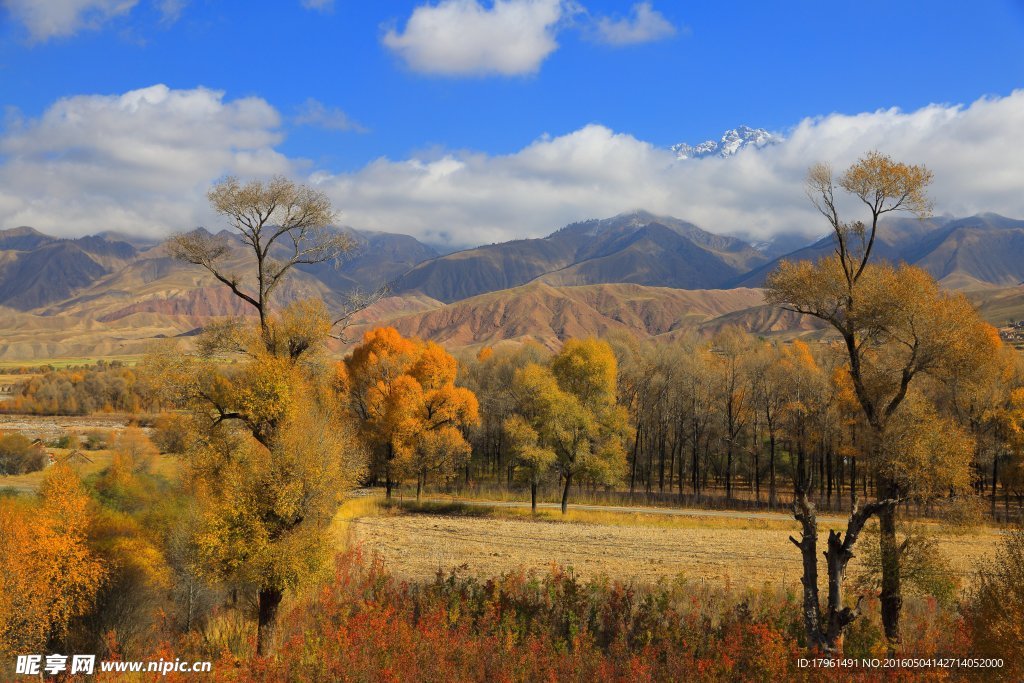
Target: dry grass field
x=49 y=428
x=643 y=548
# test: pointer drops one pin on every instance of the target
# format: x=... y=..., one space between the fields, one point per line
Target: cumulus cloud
x=315 y=113
x=47 y=19
x=463 y=37
x=139 y=162
x=469 y=198
x=644 y=25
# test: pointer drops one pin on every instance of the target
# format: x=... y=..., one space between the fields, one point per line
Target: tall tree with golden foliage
x=282 y=224
x=272 y=453
x=896 y=326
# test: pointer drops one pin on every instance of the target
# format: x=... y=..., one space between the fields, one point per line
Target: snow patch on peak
x=732 y=142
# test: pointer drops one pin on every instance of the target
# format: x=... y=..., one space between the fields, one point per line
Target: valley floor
x=735 y=548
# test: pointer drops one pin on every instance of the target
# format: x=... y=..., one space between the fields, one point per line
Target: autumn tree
x=281 y=224
x=996 y=603
x=50 y=574
x=732 y=350
x=271 y=454
x=769 y=379
x=698 y=396
x=18 y=455
x=489 y=374
x=532 y=461
x=571 y=404
x=895 y=326
x=411 y=412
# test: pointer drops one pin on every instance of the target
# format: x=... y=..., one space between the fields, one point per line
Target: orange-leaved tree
x=412 y=413
x=50 y=575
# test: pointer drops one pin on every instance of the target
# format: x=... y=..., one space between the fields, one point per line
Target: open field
x=28 y=483
x=48 y=428
x=645 y=548
x=128 y=359
x=165 y=465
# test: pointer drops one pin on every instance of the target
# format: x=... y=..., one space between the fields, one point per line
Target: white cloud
x=47 y=19
x=645 y=25
x=319 y=5
x=170 y=10
x=315 y=113
x=469 y=198
x=464 y=37
x=139 y=162
x=142 y=161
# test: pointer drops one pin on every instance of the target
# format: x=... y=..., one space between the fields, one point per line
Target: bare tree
x=282 y=223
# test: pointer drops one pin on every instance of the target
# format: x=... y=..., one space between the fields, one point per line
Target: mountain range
x=732 y=141
x=636 y=273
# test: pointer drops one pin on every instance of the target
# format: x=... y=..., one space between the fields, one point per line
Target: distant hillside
x=548 y=315
x=986 y=250
x=39 y=271
x=636 y=274
x=638 y=248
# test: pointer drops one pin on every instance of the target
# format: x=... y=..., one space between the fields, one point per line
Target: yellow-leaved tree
x=49 y=575
x=571 y=406
x=270 y=454
x=896 y=327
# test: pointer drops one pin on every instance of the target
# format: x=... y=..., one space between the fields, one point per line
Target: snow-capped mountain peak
x=732 y=142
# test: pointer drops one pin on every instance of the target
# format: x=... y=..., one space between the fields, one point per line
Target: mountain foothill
x=635 y=274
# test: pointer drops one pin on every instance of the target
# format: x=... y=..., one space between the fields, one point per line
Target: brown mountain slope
x=42 y=272
x=548 y=315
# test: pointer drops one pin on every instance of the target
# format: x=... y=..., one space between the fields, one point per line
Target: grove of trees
x=908 y=404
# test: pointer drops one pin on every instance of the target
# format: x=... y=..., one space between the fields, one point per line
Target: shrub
x=366 y=625
x=925 y=571
x=65 y=440
x=170 y=432
x=996 y=606
x=96 y=440
x=18 y=455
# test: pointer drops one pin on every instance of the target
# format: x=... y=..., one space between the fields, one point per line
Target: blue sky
x=351 y=82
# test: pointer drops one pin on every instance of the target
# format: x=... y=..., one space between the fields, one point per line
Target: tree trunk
x=757 y=472
x=728 y=471
x=419 y=486
x=269 y=599
x=387 y=487
x=891 y=596
x=771 y=470
x=995 y=477
x=695 y=465
x=803 y=511
x=853 y=481
x=827 y=634
x=533 y=497
x=636 y=454
x=565 y=493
